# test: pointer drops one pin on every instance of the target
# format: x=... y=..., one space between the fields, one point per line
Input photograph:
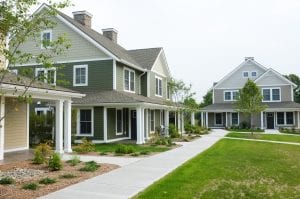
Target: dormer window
x=253 y=73
x=245 y=74
x=129 y=77
x=46 y=39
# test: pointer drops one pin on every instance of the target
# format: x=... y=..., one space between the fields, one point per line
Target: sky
x=204 y=39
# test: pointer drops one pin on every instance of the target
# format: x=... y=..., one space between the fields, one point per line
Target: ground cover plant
x=234 y=169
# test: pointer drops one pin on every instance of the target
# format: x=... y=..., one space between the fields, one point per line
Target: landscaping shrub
x=135 y=154
x=244 y=125
x=90 y=166
x=38 y=157
x=47 y=181
x=173 y=131
x=30 y=186
x=55 y=162
x=42 y=153
x=7 y=180
x=145 y=152
x=124 y=149
x=74 y=160
x=164 y=141
x=289 y=130
x=68 y=176
x=85 y=146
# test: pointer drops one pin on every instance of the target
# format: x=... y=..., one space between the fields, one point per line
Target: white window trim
x=245 y=72
x=285 y=118
x=46 y=74
x=119 y=133
x=86 y=74
x=238 y=119
x=42 y=33
x=231 y=95
x=43 y=109
x=216 y=119
x=130 y=70
x=271 y=94
x=159 y=78
x=78 y=122
x=253 y=72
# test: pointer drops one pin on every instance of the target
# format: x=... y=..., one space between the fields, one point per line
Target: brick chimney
x=83 y=17
x=249 y=58
x=111 y=34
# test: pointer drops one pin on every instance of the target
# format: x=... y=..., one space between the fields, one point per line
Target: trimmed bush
x=68 y=176
x=85 y=146
x=173 y=131
x=7 y=180
x=55 y=162
x=30 y=186
x=38 y=157
x=90 y=166
x=74 y=160
x=124 y=149
x=41 y=153
x=47 y=181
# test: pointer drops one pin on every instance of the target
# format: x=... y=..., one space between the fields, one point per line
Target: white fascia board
x=161 y=53
x=132 y=65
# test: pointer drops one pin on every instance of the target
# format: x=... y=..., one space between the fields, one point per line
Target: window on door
x=218 y=119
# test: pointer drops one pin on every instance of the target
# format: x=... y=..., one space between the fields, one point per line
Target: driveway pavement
x=134 y=177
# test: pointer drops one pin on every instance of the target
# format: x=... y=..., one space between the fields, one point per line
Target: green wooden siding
x=144 y=85
x=98 y=123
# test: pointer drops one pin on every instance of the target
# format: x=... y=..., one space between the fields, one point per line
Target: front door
x=133 y=124
x=270 y=120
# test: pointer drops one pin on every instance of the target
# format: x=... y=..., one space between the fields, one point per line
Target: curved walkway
x=130 y=179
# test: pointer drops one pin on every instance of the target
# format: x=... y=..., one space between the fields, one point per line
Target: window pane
x=234 y=119
x=126 y=80
x=85 y=121
x=132 y=81
x=289 y=118
x=156 y=86
x=266 y=95
x=253 y=74
x=275 y=94
x=119 y=121
x=280 y=117
x=245 y=74
x=218 y=118
x=51 y=76
x=41 y=75
x=160 y=87
x=235 y=95
x=227 y=95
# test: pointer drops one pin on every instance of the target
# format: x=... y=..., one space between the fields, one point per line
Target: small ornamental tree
x=250 y=101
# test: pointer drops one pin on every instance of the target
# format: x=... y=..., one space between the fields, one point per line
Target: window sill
x=84 y=135
x=75 y=85
x=121 y=133
x=129 y=91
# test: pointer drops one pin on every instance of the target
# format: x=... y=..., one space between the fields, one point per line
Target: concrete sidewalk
x=259 y=140
x=130 y=179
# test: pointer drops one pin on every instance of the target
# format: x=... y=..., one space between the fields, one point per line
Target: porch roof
x=118 y=97
x=271 y=106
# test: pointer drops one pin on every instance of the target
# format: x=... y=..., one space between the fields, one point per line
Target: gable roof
x=237 y=68
x=145 y=57
x=278 y=75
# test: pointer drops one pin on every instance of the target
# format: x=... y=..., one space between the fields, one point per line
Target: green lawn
x=234 y=169
x=261 y=136
x=111 y=147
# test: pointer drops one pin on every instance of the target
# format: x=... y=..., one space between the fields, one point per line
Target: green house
x=127 y=95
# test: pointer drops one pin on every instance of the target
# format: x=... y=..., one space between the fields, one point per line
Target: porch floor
x=17 y=156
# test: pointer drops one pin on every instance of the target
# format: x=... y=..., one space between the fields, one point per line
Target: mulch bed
x=15 y=191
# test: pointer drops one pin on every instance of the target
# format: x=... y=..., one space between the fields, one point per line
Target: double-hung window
x=231 y=95
x=119 y=121
x=46 y=39
x=47 y=75
x=285 y=118
x=85 y=122
x=235 y=119
x=158 y=86
x=80 y=75
x=271 y=94
x=129 y=80
x=245 y=74
x=218 y=119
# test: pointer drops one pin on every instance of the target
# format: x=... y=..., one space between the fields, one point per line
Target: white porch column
x=59 y=126
x=226 y=118
x=298 y=119
x=193 y=118
x=206 y=119
x=2 y=127
x=67 y=126
x=105 y=124
x=178 y=121
x=147 y=124
x=139 y=125
x=182 y=123
x=261 y=120
x=166 y=122
x=202 y=119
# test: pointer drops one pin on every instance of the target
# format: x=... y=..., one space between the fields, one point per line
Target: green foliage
x=193 y=129
x=173 y=131
x=164 y=141
x=250 y=100
x=47 y=180
x=85 y=146
x=145 y=152
x=7 y=180
x=75 y=160
x=41 y=153
x=135 y=154
x=40 y=127
x=207 y=99
x=296 y=80
x=67 y=176
x=289 y=130
x=190 y=105
x=90 y=166
x=31 y=186
x=124 y=149
x=55 y=162
x=244 y=125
